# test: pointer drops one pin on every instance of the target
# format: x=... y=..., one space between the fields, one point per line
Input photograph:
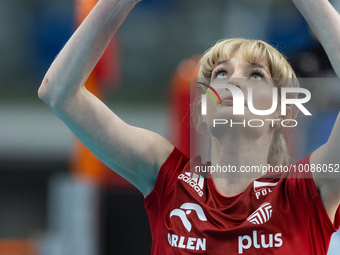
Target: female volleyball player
x=189 y=214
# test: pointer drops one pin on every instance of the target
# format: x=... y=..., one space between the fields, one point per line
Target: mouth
x=228 y=100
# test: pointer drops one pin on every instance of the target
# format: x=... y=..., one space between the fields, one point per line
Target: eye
x=257 y=75
x=220 y=73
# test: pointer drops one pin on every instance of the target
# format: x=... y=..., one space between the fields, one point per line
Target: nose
x=236 y=77
x=235 y=81
x=237 y=73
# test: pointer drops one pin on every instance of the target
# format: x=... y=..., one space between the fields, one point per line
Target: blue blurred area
x=157 y=5
x=53 y=25
x=320 y=129
x=155 y=37
x=290 y=33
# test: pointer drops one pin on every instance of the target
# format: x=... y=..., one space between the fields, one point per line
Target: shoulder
x=306 y=179
x=168 y=173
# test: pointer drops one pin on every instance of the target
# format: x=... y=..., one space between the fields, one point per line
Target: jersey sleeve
x=301 y=181
x=301 y=178
x=167 y=176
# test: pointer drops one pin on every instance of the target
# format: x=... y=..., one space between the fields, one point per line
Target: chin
x=239 y=125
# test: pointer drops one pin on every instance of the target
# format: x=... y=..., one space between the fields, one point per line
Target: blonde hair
x=253 y=51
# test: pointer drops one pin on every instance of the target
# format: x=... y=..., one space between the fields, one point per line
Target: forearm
x=325 y=22
x=73 y=65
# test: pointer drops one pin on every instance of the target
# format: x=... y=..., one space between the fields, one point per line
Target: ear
x=289 y=114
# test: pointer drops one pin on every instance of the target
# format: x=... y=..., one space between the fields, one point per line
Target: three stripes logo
x=262 y=214
x=194 y=180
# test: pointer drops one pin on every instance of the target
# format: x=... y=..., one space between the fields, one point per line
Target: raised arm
x=325 y=22
x=134 y=153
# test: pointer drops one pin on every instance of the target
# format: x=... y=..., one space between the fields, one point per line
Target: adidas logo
x=194 y=180
x=262 y=214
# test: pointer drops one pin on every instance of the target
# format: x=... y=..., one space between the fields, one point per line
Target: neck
x=238 y=154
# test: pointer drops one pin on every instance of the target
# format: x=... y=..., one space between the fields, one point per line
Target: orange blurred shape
x=18 y=247
x=107 y=70
x=84 y=164
x=180 y=104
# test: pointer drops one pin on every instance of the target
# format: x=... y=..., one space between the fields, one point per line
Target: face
x=237 y=71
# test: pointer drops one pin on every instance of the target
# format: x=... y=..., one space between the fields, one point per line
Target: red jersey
x=272 y=216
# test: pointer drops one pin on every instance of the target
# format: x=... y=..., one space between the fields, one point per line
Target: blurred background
x=55 y=197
